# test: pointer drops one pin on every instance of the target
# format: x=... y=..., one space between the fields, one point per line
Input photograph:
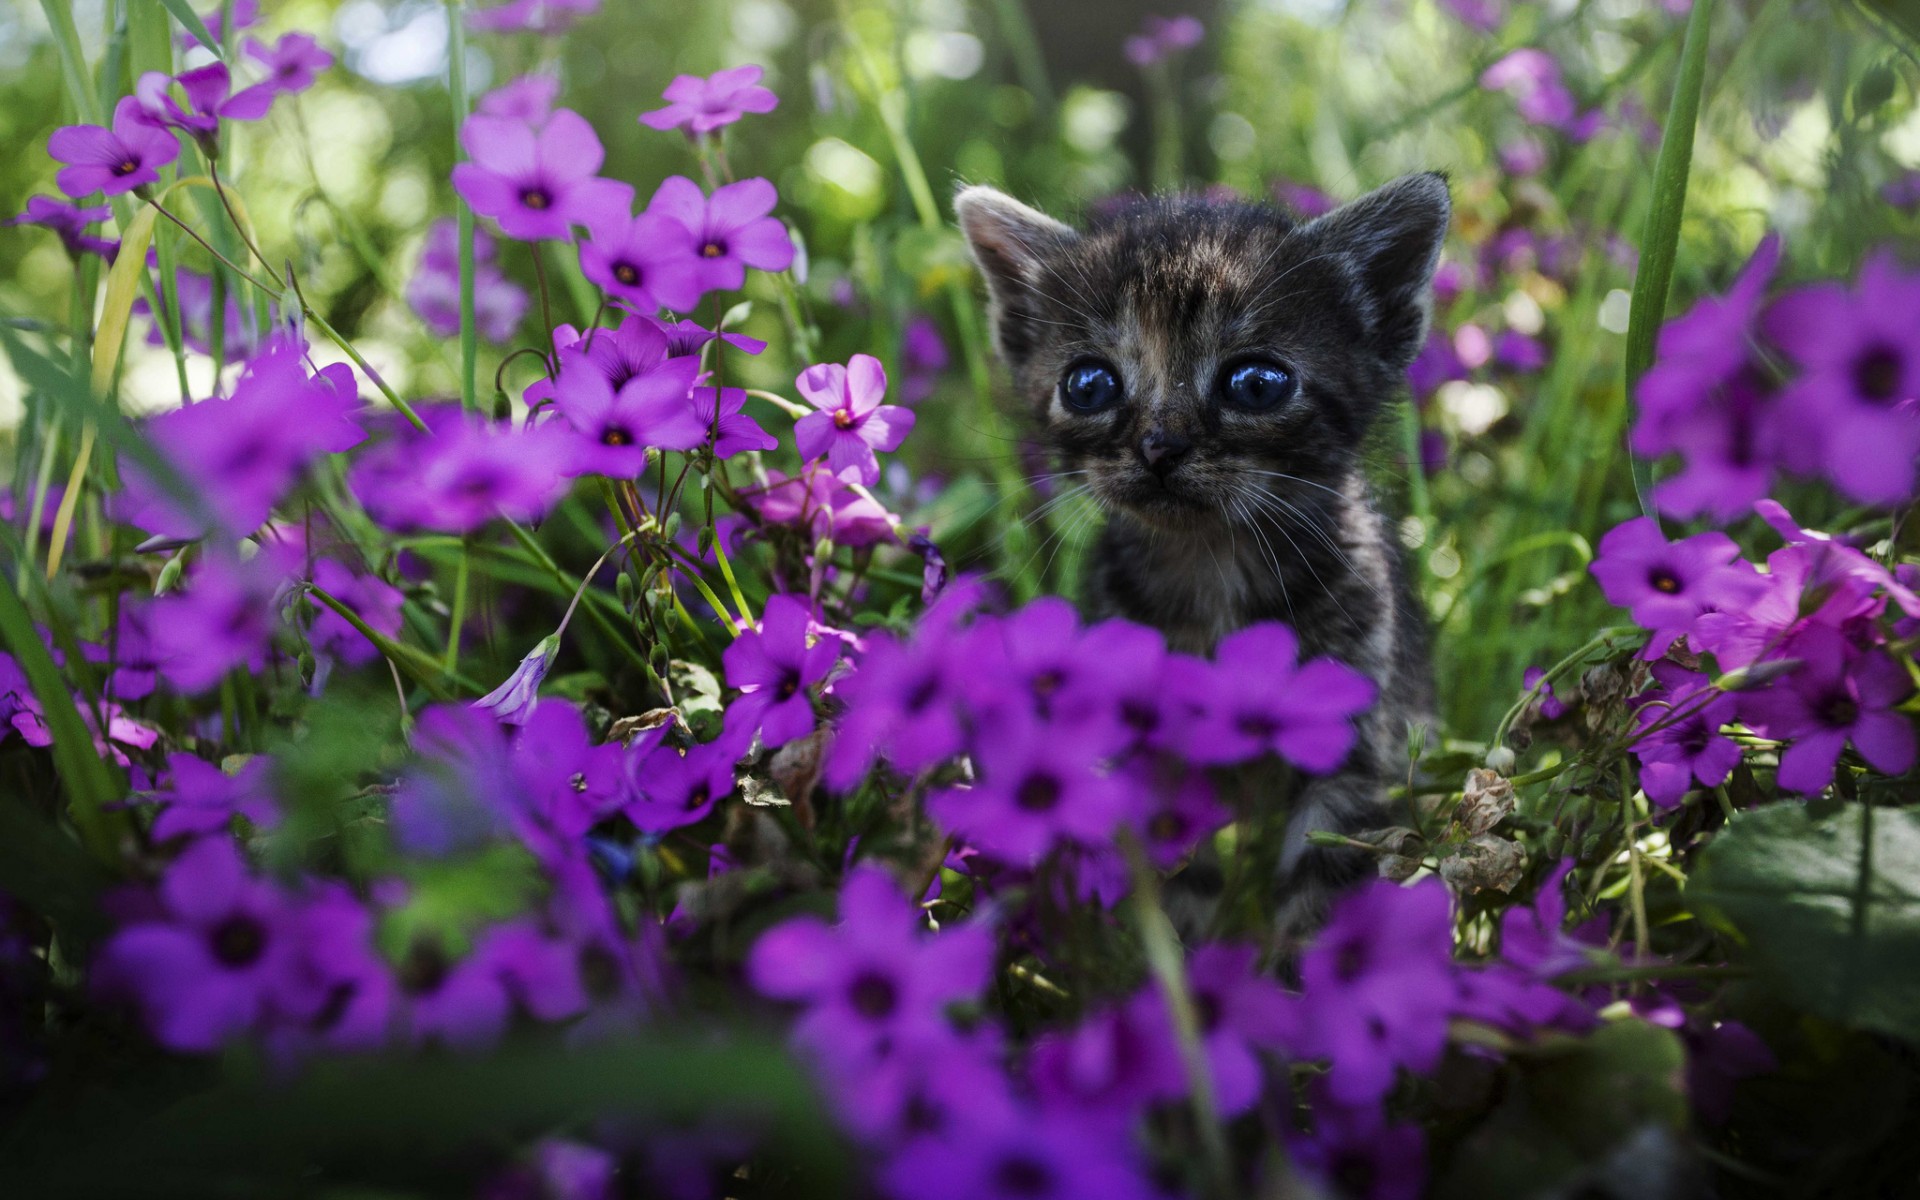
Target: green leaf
x=1569 y=1105
x=191 y=22
x=1902 y=15
x=92 y=787
x=1832 y=917
x=1660 y=244
x=418 y=1123
x=44 y=869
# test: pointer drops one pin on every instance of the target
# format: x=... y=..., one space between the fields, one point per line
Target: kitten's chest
x=1330 y=583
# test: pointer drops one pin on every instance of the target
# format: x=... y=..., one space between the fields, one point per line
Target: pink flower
x=704 y=105
x=291 y=63
x=529 y=98
x=851 y=423
x=537 y=184
x=1857 y=401
x=648 y=261
x=731 y=229
x=116 y=160
x=531 y=16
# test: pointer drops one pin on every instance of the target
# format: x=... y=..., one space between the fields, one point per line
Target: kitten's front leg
x=1351 y=803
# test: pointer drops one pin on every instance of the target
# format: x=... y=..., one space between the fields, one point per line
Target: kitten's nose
x=1162 y=451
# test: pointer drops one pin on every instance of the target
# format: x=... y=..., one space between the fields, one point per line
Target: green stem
x=469 y=330
x=208 y=247
x=1168 y=968
x=458 y=619
x=1660 y=244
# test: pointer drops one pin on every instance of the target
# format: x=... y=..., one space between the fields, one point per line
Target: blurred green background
x=1809 y=113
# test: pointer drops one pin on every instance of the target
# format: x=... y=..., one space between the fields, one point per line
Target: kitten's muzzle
x=1161 y=452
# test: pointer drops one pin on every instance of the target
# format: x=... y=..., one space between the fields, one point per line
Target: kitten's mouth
x=1158 y=500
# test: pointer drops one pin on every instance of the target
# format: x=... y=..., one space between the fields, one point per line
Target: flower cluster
x=1803 y=641
x=1844 y=408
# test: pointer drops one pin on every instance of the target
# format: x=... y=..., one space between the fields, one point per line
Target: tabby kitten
x=1212 y=371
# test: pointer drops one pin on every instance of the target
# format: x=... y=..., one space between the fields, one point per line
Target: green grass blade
x=92 y=786
x=1660 y=244
x=191 y=22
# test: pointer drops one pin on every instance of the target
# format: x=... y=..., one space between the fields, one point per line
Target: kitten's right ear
x=1010 y=242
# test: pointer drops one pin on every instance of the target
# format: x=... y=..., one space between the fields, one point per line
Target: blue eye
x=1089 y=387
x=1257 y=386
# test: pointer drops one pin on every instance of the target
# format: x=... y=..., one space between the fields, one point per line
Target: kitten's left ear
x=1393 y=237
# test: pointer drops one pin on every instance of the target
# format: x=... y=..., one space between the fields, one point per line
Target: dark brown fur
x=1265 y=516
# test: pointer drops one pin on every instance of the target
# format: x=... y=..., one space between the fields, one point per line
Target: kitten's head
x=1183 y=352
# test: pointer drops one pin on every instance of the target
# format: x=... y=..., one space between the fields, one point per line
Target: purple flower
x=621 y=395
x=1838 y=695
x=461 y=1004
x=1050 y=1154
x=901 y=703
x=774 y=667
x=1552 y=708
x=70 y=223
x=1664 y=585
x=244 y=453
x=208 y=967
x=891 y=1094
x=1356 y=1154
x=291 y=62
x=667 y=790
x=649 y=261
x=1266 y=704
x=1533 y=79
x=570 y=782
x=1903 y=191
x=528 y=98
x=434 y=290
x=531 y=16
x=1040 y=785
x=851 y=423
x=1679 y=741
x=463 y=791
x=537 y=183
x=1160 y=37
x=376 y=601
x=470 y=473
x=1859 y=384
x=1484 y=15
x=208 y=102
x=1115 y=1061
x=201 y=798
x=1518 y=352
x=731 y=229
x=1438 y=363
x=224 y=619
x=824 y=505
x=923 y=354
x=341 y=995
x=122 y=733
x=874 y=977
x=704 y=105
x=514 y=700
x=127 y=156
x=1377 y=988
x=1719 y=1055
x=1176 y=815
x=1516 y=991
x=737 y=432
x=1239 y=1012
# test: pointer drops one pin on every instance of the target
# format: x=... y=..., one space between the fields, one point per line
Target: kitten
x=1213 y=371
